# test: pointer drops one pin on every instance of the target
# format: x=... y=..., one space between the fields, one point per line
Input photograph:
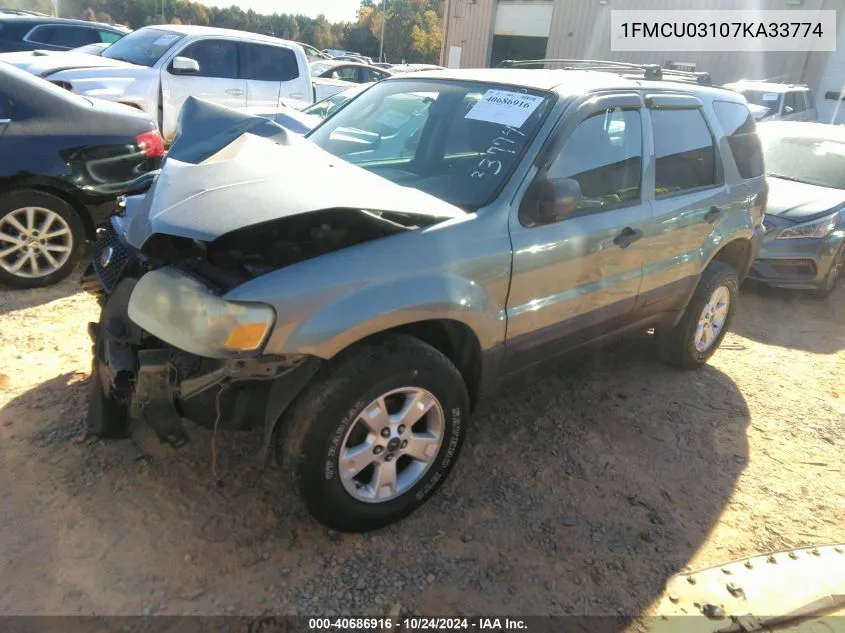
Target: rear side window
x=739 y=126
x=109 y=37
x=684 y=149
x=270 y=63
x=216 y=58
x=65 y=36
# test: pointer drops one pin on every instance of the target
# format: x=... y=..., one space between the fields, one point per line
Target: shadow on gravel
x=801 y=321
x=13 y=299
x=578 y=492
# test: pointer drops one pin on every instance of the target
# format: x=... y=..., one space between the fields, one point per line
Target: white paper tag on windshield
x=770 y=96
x=505 y=108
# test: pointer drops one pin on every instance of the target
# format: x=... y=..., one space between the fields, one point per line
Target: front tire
x=375 y=434
x=833 y=275
x=41 y=238
x=706 y=320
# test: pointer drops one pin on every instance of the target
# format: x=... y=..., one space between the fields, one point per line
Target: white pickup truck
x=157 y=68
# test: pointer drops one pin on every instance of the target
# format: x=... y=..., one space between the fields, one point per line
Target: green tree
x=412 y=29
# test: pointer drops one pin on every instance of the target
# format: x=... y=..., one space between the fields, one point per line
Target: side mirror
x=788 y=110
x=549 y=200
x=185 y=66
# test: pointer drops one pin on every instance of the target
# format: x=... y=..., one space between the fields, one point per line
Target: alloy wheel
x=712 y=319
x=34 y=242
x=391 y=444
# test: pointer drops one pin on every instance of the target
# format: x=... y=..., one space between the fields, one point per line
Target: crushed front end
x=214 y=375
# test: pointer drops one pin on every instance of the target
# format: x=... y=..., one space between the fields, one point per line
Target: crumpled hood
x=228 y=170
x=801 y=202
x=43 y=65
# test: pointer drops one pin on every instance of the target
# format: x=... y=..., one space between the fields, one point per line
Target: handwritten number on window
x=501 y=145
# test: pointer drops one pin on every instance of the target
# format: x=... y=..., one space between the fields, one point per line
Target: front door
x=218 y=80
x=577 y=279
x=794 y=106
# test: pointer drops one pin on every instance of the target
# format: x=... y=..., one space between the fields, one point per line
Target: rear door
x=218 y=80
x=577 y=279
x=690 y=198
x=271 y=72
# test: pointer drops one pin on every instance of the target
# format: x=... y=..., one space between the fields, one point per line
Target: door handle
x=627 y=237
x=235 y=92
x=713 y=214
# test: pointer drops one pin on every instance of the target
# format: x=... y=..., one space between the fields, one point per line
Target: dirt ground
x=578 y=492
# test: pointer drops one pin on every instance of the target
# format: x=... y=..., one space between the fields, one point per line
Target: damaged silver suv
x=356 y=292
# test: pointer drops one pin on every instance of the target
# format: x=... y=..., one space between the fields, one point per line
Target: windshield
x=810 y=160
x=143 y=47
x=459 y=141
x=332 y=103
x=770 y=100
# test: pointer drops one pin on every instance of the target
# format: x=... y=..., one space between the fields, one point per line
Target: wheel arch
x=54 y=189
x=737 y=253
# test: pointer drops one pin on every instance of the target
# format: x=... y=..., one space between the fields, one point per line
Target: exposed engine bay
x=255 y=250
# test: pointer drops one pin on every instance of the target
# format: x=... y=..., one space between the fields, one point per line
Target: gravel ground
x=579 y=491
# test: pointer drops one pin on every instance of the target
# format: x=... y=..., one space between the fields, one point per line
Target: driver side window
x=217 y=58
x=605 y=156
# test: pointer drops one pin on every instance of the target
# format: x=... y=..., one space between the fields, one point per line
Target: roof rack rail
x=644 y=71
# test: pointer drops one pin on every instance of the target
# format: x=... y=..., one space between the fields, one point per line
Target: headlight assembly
x=184 y=313
x=817 y=228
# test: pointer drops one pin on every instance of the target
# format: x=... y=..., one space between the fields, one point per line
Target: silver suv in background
x=771 y=101
x=359 y=322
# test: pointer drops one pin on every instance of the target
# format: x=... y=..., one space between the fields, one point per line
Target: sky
x=334 y=10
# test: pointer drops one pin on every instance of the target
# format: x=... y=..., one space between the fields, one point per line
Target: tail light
x=151 y=144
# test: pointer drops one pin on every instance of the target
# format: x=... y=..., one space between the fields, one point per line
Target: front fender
x=338 y=323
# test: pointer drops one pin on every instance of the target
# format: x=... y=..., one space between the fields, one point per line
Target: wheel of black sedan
x=375 y=434
x=40 y=239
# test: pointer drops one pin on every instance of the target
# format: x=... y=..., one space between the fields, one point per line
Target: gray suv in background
x=357 y=305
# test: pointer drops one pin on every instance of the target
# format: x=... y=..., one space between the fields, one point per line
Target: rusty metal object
x=795 y=591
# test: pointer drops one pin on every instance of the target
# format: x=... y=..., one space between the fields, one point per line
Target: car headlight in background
x=184 y=313
x=817 y=228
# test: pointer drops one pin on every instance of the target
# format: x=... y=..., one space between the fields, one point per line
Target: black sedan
x=64 y=160
x=34 y=32
x=804 y=247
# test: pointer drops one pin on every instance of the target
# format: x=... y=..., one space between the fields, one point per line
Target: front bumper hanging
x=137 y=377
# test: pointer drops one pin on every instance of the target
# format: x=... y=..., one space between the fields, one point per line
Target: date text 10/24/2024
x=414 y=624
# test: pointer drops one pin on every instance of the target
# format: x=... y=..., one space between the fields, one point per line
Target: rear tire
x=688 y=345
x=339 y=459
x=41 y=239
